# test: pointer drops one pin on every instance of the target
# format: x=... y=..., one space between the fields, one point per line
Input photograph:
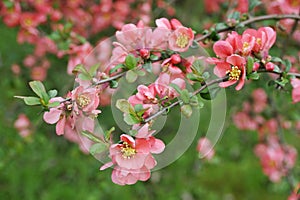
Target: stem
x=110 y=78
x=250 y=21
x=179 y=101
x=279 y=73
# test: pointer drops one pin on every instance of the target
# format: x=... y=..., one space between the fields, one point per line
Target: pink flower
x=205 y=148
x=234 y=67
x=181 y=39
x=243 y=121
x=86 y=100
x=23 y=125
x=260 y=100
x=296 y=90
x=133 y=158
x=276 y=160
x=59 y=115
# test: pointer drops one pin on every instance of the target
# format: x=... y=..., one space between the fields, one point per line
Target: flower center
x=182 y=40
x=83 y=100
x=127 y=151
x=258 y=41
x=234 y=73
x=28 y=22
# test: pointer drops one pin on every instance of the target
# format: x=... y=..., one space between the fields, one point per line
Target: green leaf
x=176 y=87
x=114 y=69
x=133 y=132
x=98 y=148
x=130 y=119
x=130 y=61
x=31 y=101
x=250 y=63
x=253 y=76
x=221 y=26
x=276 y=59
x=198 y=66
x=282 y=81
x=39 y=89
x=123 y=105
x=113 y=84
x=83 y=73
x=131 y=76
x=276 y=69
x=52 y=93
x=185 y=96
x=253 y=4
x=53 y=104
x=186 y=110
x=195 y=102
x=235 y=15
x=108 y=133
x=90 y=136
x=287 y=64
x=140 y=72
x=138 y=107
x=210 y=94
x=148 y=66
x=93 y=69
x=154 y=57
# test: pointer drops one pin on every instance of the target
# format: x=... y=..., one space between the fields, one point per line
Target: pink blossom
x=23 y=125
x=276 y=159
x=133 y=158
x=86 y=100
x=243 y=121
x=205 y=148
x=260 y=100
x=181 y=39
x=234 y=67
x=15 y=68
x=38 y=73
x=296 y=90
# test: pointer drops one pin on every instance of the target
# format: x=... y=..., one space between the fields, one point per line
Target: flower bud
x=270 y=66
x=175 y=59
x=145 y=53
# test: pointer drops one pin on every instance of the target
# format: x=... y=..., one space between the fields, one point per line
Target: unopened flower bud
x=145 y=53
x=270 y=66
x=175 y=59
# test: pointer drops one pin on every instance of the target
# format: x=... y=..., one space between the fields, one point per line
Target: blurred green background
x=46 y=166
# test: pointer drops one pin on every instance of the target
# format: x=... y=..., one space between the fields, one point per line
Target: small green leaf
x=235 y=15
x=130 y=119
x=52 y=93
x=140 y=72
x=53 y=104
x=90 y=136
x=250 y=63
x=108 y=133
x=113 y=84
x=276 y=69
x=31 y=101
x=176 y=87
x=130 y=61
x=287 y=63
x=123 y=105
x=131 y=76
x=253 y=76
x=93 y=69
x=186 y=110
x=210 y=94
x=154 y=57
x=138 y=107
x=253 y=4
x=148 y=66
x=221 y=26
x=133 y=132
x=276 y=59
x=39 y=89
x=114 y=69
x=98 y=148
x=185 y=96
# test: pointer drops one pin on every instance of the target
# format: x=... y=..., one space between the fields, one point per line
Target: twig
x=162 y=111
x=250 y=21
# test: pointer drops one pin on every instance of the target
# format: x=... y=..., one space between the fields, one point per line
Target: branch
x=162 y=111
x=110 y=78
x=250 y=21
x=279 y=73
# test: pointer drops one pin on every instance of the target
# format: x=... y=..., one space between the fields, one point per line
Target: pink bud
x=145 y=53
x=270 y=66
x=175 y=59
x=255 y=66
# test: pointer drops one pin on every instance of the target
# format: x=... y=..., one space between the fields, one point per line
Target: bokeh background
x=46 y=166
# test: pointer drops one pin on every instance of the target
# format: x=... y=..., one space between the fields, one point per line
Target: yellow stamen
x=127 y=151
x=234 y=73
x=182 y=40
x=83 y=100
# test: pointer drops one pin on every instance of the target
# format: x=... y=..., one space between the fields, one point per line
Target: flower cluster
x=276 y=159
x=234 y=52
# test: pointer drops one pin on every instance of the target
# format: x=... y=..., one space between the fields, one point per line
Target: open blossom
x=205 y=148
x=234 y=67
x=86 y=100
x=133 y=158
x=156 y=93
x=23 y=125
x=276 y=160
x=296 y=90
